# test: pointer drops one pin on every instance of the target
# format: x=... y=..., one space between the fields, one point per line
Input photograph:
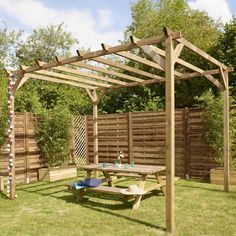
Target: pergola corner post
x=12 y=152
x=226 y=133
x=11 y=185
x=170 y=133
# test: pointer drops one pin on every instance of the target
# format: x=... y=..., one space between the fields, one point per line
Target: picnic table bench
x=141 y=171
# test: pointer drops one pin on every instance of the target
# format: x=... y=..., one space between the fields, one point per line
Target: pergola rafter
x=100 y=80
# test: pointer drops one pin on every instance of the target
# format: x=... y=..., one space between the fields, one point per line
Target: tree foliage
x=226 y=51
x=9 y=41
x=46 y=43
x=148 y=19
x=54 y=136
x=213 y=123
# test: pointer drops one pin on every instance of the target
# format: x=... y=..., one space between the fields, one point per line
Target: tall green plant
x=53 y=136
x=213 y=124
x=3 y=108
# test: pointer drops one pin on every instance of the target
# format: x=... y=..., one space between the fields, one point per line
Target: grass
x=47 y=209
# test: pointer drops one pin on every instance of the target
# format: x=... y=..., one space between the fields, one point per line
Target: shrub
x=213 y=126
x=53 y=136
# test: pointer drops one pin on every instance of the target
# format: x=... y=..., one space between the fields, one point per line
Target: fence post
x=26 y=148
x=186 y=143
x=130 y=136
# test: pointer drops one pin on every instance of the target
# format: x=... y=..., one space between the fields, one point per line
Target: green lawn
x=47 y=209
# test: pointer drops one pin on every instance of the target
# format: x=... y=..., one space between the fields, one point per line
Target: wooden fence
x=140 y=135
x=27 y=159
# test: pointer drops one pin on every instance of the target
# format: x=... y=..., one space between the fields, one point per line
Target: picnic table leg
x=139 y=197
x=162 y=183
x=88 y=174
x=108 y=178
x=80 y=195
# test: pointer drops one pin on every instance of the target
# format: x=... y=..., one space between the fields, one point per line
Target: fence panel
x=27 y=159
x=80 y=141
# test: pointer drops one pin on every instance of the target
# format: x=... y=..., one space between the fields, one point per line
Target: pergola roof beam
x=87 y=75
x=90 y=55
x=72 y=78
x=125 y=67
x=56 y=80
x=201 y=53
x=105 y=71
x=151 y=50
x=133 y=84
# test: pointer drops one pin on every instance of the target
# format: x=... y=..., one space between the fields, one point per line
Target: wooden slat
x=93 y=76
x=125 y=67
x=60 y=81
x=70 y=77
x=105 y=71
x=134 y=84
x=84 y=74
x=141 y=60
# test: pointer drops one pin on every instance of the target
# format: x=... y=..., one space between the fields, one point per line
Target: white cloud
x=105 y=18
x=87 y=28
x=217 y=9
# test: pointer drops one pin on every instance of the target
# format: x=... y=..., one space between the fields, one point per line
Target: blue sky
x=91 y=21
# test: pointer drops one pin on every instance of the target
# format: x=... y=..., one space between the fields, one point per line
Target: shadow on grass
x=3 y=195
x=200 y=187
x=96 y=207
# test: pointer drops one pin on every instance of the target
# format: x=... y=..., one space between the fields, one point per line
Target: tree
x=148 y=19
x=44 y=44
x=9 y=41
x=150 y=16
x=226 y=51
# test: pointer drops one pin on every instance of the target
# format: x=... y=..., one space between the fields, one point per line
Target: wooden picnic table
x=141 y=171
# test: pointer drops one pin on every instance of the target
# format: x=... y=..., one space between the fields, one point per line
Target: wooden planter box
x=217 y=176
x=53 y=174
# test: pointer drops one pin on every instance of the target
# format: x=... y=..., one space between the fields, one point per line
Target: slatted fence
x=27 y=154
x=141 y=135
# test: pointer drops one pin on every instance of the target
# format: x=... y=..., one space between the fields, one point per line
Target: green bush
x=53 y=136
x=3 y=108
x=214 y=128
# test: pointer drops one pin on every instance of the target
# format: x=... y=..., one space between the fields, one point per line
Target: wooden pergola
x=98 y=80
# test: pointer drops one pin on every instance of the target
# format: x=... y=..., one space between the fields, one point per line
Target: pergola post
x=12 y=153
x=11 y=186
x=95 y=128
x=226 y=134
x=170 y=133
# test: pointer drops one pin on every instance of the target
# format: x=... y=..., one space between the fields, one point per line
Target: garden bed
x=53 y=174
x=217 y=176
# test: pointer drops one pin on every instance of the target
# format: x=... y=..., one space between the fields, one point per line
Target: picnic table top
x=126 y=168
